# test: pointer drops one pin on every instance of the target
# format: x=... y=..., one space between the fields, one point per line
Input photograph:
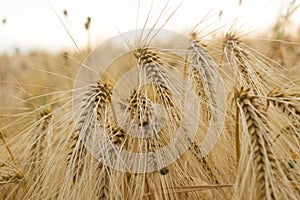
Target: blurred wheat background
x=257 y=156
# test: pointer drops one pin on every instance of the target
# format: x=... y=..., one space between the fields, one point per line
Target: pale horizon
x=33 y=24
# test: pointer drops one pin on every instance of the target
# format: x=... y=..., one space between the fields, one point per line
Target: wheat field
x=154 y=114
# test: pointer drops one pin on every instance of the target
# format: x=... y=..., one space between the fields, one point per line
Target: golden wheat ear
x=39 y=139
x=10 y=178
x=11 y=172
x=203 y=72
x=287 y=103
x=8 y=174
x=252 y=69
x=260 y=156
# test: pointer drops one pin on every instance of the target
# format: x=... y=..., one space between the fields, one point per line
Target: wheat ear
x=8 y=174
x=153 y=66
x=287 y=103
x=251 y=69
x=21 y=174
x=263 y=157
x=39 y=145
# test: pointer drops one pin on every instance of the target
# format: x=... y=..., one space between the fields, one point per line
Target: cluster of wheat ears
x=255 y=118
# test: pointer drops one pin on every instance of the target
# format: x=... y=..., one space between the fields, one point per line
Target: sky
x=39 y=24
